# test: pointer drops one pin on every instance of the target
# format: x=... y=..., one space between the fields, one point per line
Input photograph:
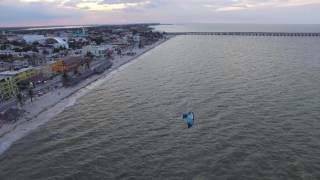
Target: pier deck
x=249 y=34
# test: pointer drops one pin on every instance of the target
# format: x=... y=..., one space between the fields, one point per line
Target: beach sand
x=46 y=107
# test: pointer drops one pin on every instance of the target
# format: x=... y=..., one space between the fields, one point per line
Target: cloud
x=101 y=6
x=64 y=12
x=236 y=5
x=94 y=5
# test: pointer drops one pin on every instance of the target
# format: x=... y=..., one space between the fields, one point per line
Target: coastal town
x=41 y=64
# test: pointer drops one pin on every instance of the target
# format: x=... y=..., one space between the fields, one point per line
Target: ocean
x=256 y=102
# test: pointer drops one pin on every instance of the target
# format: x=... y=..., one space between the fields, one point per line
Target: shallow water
x=256 y=103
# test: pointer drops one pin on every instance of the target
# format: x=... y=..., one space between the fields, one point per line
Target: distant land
x=68 y=26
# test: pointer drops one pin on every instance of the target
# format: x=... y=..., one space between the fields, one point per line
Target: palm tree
x=30 y=92
x=19 y=98
x=65 y=76
x=89 y=55
x=88 y=61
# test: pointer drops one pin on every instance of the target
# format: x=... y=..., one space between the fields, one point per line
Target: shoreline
x=46 y=107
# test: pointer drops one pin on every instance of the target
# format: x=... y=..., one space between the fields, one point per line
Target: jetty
x=291 y=34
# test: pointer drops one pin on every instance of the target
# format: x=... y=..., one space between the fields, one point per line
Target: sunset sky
x=74 y=12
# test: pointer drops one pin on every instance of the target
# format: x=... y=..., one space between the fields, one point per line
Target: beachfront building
x=97 y=51
x=8 y=88
x=20 y=75
x=46 y=70
x=73 y=68
x=69 y=64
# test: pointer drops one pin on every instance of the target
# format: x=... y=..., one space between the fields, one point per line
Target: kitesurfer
x=189 y=116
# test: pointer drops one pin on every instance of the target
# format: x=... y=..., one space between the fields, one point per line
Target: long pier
x=302 y=34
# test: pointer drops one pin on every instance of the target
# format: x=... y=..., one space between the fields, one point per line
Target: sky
x=80 y=12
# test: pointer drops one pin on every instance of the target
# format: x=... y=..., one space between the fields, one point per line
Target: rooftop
x=13 y=73
x=73 y=60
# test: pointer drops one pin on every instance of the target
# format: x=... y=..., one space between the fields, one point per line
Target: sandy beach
x=46 y=107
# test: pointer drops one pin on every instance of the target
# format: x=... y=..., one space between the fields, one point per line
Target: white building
x=16 y=54
x=33 y=38
x=60 y=43
x=98 y=51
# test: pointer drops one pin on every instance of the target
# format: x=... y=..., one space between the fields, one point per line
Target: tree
x=19 y=98
x=6 y=58
x=35 y=49
x=76 y=72
x=140 y=45
x=36 y=43
x=3 y=47
x=56 y=50
x=30 y=92
x=45 y=52
x=89 y=55
x=26 y=48
x=65 y=76
x=99 y=40
x=109 y=54
x=119 y=51
x=87 y=60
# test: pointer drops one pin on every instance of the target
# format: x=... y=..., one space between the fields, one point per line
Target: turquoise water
x=255 y=99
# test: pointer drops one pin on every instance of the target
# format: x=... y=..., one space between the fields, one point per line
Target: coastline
x=46 y=107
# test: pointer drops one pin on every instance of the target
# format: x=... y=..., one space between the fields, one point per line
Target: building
x=20 y=64
x=69 y=64
x=12 y=38
x=16 y=54
x=8 y=88
x=136 y=38
x=5 y=66
x=80 y=33
x=29 y=39
x=59 y=42
x=47 y=69
x=20 y=75
x=97 y=51
x=8 y=52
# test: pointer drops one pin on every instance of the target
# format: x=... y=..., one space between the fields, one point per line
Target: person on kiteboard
x=189 y=116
